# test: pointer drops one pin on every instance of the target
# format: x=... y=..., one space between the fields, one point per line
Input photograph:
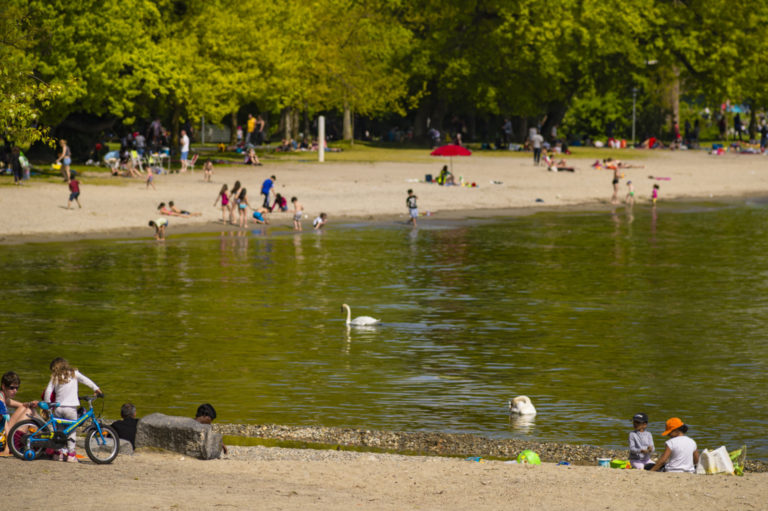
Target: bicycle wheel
x=102 y=448
x=18 y=435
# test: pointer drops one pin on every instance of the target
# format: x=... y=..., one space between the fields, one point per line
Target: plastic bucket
x=604 y=462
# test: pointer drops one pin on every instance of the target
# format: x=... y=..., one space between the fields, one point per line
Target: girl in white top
x=64 y=379
x=681 y=454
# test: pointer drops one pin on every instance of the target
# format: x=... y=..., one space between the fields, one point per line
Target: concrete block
x=178 y=434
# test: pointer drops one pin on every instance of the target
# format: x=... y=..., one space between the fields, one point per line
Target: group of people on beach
x=680 y=453
x=62 y=389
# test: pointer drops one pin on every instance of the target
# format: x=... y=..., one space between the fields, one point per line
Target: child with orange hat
x=681 y=454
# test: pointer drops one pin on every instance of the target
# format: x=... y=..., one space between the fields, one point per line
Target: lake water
x=594 y=315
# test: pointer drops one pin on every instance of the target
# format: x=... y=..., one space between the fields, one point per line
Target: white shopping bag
x=715 y=462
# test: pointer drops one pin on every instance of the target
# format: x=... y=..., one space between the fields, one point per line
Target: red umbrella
x=451 y=150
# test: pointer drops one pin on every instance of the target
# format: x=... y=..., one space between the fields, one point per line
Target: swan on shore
x=360 y=320
x=522 y=405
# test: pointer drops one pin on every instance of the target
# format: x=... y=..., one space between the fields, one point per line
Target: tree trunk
x=307 y=125
x=420 y=122
x=233 y=128
x=285 y=122
x=348 y=129
x=295 y=116
x=175 y=120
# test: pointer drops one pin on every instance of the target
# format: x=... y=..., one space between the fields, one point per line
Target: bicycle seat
x=47 y=406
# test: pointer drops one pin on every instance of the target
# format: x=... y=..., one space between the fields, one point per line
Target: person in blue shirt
x=268 y=189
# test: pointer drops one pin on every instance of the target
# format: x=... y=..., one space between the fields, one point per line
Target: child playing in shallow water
x=64 y=380
x=640 y=443
x=655 y=194
x=298 y=211
x=630 y=199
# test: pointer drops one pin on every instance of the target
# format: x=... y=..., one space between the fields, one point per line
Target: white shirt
x=66 y=393
x=185 y=143
x=681 y=459
x=537 y=140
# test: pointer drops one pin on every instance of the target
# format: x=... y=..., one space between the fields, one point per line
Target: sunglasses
x=15 y=387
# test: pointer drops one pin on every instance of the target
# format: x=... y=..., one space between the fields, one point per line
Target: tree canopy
x=131 y=60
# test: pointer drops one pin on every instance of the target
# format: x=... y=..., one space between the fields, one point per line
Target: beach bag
x=715 y=462
x=739 y=458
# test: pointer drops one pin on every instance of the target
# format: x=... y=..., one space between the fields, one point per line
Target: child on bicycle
x=64 y=380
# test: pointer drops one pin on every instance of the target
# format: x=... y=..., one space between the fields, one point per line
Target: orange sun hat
x=672 y=424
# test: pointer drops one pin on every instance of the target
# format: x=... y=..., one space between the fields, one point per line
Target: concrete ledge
x=178 y=434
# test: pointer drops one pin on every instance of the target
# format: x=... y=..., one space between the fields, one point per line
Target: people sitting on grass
x=251 y=158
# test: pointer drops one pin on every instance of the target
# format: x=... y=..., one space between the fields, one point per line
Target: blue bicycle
x=28 y=438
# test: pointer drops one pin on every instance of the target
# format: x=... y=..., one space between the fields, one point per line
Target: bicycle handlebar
x=91 y=398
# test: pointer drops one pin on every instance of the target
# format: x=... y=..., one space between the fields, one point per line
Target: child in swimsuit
x=222 y=196
x=655 y=194
x=630 y=199
x=208 y=170
x=233 y=201
x=298 y=211
x=242 y=204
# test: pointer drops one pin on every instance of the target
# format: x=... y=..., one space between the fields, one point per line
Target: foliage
x=183 y=59
x=23 y=96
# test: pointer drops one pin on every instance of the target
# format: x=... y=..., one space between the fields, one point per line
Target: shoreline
x=423 y=443
x=284 y=225
x=370 y=192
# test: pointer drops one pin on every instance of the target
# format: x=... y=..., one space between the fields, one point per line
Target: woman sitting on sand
x=680 y=454
x=560 y=166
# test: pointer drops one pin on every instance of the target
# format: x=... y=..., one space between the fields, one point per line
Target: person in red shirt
x=74 y=191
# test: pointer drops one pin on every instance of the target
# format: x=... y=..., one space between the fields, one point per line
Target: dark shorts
x=73 y=196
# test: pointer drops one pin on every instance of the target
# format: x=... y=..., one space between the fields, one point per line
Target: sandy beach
x=276 y=478
x=279 y=478
x=370 y=191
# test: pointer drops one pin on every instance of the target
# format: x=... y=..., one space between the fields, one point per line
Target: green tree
x=24 y=97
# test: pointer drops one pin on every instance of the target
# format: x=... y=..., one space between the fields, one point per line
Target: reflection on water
x=522 y=424
x=596 y=316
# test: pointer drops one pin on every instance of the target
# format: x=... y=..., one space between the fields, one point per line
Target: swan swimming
x=360 y=320
x=522 y=405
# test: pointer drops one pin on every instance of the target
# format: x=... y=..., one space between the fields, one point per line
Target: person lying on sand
x=166 y=211
x=612 y=164
x=181 y=212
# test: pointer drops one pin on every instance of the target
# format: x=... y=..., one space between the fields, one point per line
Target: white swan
x=522 y=405
x=360 y=320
